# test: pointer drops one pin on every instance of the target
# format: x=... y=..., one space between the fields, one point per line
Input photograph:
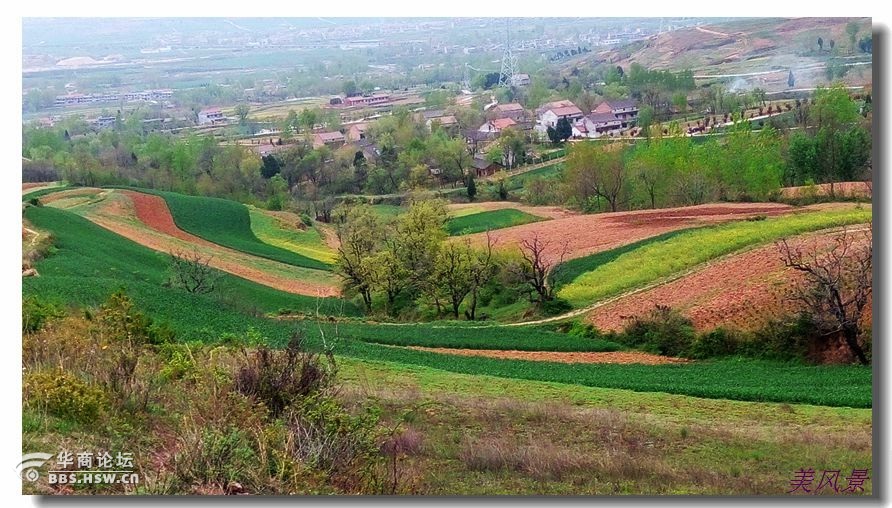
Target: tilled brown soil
x=588 y=234
x=560 y=356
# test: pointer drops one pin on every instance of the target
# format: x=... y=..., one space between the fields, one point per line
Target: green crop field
x=462 y=336
x=656 y=260
x=307 y=242
x=387 y=212
x=227 y=223
x=568 y=271
x=488 y=221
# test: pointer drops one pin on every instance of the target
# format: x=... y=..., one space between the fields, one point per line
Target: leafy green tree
x=349 y=88
x=270 y=167
x=645 y=119
x=852 y=31
x=242 y=111
x=472 y=187
x=564 y=129
x=820 y=44
x=359 y=233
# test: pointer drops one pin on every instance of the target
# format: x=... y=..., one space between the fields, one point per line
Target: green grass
x=519 y=181
x=227 y=223
x=488 y=221
x=387 y=211
x=307 y=242
x=656 y=260
x=679 y=408
x=88 y=263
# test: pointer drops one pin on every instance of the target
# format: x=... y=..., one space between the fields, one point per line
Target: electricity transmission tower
x=509 y=61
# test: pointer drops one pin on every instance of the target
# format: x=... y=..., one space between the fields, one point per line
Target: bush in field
x=278 y=379
x=713 y=344
x=664 y=331
x=64 y=395
x=36 y=312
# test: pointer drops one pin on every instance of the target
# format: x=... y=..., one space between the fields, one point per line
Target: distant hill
x=763 y=50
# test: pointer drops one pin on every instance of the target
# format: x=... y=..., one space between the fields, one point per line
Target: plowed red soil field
x=588 y=234
x=152 y=211
x=562 y=357
x=742 y=292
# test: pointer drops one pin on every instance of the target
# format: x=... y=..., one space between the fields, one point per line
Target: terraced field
x=285 y=230
x=684 y=251
x=90 y=262
x=589 y=234
x=742 y=291
x=144 y=219
x=228 y=223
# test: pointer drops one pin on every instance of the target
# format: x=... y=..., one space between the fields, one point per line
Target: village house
x=483 y=167
x=496 y=126
x=552 y=113
x=367 y=100
x=596 y=125
x=511 y=110
x=446 y=122
x=356 y=131
x=332 y=139
x=211 y=116
x=624 y=110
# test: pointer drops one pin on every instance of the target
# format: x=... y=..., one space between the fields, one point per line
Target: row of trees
x=832 y=144
x=408 y=265
x=409 y=261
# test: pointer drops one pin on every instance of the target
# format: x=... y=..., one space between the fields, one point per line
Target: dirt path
x=123 y=214
x=713 y=32
x=662 y=282
x=588 y=234
x=624 y=357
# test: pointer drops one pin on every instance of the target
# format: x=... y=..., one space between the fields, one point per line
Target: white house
x=596 y=125
x=550 y=116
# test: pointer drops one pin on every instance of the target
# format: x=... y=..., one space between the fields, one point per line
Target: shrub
x=664 y=331
x=328 y=438
x=36 y=312
x=716 y=343
x=555 y=306
x=306 y=219
x=278 y=378
x=64 y=395
x=215 y=457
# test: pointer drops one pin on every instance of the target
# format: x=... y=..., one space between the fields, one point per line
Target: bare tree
x=192 y=271
x=837 y=286
x=536 y=269
x=483 y=268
